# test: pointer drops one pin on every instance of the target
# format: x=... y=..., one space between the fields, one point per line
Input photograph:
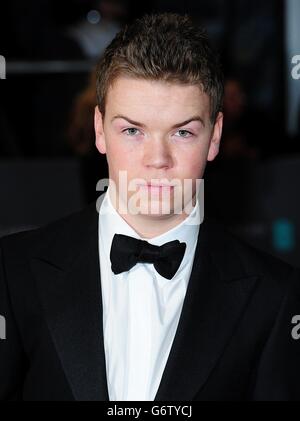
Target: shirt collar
x=111 y=223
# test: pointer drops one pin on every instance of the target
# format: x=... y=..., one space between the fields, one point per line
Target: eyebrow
x=136 y=123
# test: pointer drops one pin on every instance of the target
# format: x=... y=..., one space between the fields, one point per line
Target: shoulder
x=241 y=259
x=59 y=233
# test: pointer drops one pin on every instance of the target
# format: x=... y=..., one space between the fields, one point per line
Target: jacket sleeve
x=278 y=371
x=11 y=353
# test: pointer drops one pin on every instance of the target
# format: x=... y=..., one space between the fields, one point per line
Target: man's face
x=156 y=132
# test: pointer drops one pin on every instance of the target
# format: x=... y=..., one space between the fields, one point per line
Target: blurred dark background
x=49 y=165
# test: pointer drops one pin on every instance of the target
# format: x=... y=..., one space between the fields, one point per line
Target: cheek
x=191 y=165
x=116 y=151
x=121 y=157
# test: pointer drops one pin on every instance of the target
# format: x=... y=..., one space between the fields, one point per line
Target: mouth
x=157 y=187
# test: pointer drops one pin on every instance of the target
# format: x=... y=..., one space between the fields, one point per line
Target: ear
x=216 y=138
x=99 y=131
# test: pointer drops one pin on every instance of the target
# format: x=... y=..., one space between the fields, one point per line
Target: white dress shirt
x=141 y=309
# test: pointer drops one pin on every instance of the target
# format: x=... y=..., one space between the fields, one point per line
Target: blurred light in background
x=93 y=17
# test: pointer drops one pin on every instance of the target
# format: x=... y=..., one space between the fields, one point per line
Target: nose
x=157 y=154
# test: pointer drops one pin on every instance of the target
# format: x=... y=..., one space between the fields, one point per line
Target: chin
x=157 y=208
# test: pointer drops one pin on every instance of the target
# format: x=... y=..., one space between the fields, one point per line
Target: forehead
x=158 y=98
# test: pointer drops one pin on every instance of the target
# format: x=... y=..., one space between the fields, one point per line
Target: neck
x=150 y=226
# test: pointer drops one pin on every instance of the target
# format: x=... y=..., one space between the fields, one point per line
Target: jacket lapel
x=70 y=292
x=217 y=295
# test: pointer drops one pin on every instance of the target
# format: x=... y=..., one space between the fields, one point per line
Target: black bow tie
x=126 y=252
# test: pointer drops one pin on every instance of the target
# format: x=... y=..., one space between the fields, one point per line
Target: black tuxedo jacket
x=233 y=342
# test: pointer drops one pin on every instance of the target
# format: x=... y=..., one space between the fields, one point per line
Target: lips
x=156 y=185
x=157 y=189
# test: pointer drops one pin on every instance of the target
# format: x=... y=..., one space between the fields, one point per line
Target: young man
x=141 y=301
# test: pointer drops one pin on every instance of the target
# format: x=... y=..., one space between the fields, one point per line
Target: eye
x=131 y=131
x=185 y=133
